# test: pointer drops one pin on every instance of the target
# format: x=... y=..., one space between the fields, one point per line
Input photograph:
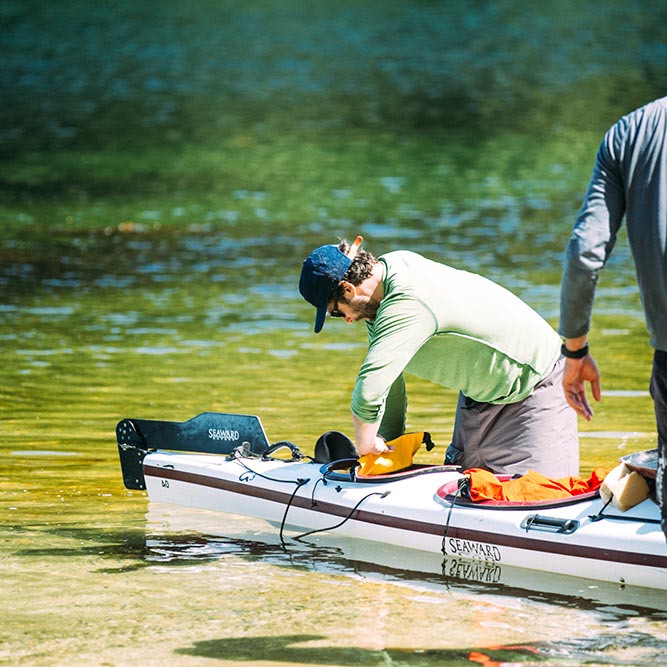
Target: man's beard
x=364 y=307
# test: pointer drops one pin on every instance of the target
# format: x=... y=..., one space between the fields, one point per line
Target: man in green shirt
x=459 y=330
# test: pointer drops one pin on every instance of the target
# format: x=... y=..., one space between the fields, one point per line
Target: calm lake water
x=165 y=168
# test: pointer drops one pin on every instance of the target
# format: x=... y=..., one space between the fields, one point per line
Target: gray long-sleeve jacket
x=629 y=177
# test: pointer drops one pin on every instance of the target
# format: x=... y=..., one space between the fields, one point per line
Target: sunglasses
x=334 y=311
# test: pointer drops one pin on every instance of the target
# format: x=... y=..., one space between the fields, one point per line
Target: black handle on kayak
x=552 y=524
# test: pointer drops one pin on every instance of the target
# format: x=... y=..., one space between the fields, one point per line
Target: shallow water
x=164 y=169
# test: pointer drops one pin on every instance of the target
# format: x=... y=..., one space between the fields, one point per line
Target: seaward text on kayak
x=223 y=434
x=454 y=546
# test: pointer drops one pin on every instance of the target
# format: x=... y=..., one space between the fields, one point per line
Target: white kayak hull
x=568 y=539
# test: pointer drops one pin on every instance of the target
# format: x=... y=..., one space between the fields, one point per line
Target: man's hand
x=378 y=446
x=576 y=373
x=367 y=440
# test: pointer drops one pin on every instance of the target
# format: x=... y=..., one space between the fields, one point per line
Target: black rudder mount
x=208 y=433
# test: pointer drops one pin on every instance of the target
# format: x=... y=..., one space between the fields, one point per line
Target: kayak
x=225 y=463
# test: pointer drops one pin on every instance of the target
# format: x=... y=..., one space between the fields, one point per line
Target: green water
x=164 y=169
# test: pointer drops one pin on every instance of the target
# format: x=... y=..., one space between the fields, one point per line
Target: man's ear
x=349 y=290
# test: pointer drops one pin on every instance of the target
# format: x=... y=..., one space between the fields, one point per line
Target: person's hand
x=366 y=438
x=375 y=446
x=576 y=373
x=380 y=446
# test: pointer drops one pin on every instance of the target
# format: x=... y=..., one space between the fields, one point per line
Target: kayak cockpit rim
x=344 y=470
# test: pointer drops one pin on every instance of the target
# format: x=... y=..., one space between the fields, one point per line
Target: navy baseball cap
x=322 y=270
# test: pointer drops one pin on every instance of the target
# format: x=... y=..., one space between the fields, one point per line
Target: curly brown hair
x=361 y=267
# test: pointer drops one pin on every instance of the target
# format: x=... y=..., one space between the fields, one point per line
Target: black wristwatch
x=574 y=354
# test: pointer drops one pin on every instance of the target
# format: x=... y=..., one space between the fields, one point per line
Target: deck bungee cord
x=238 y=454
x=618 y=517
x=460 y=490
x=382 y=494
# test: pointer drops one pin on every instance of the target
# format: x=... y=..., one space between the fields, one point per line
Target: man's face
x=355 y=308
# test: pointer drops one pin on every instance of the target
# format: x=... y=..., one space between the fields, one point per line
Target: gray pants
x=538 y=433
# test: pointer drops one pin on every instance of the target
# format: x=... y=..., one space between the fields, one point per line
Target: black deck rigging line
x=382 y=494
x=459 y=493
x=600 y=515
x=312 y=495
x=237 y=456
x=300 y=483
x=297 y=455
x=618 y=517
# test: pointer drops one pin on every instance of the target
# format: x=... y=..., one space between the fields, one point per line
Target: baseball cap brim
x=322 y=270
x=320 y=316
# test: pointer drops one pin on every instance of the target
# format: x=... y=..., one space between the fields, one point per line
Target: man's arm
x=593 y=237
x=592 y=241
x=379 y=402
x=392 y=424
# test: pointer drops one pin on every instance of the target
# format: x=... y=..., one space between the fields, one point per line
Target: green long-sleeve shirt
x=454 y=328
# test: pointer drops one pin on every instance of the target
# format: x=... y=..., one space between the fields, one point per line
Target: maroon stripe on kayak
x=409 y=525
